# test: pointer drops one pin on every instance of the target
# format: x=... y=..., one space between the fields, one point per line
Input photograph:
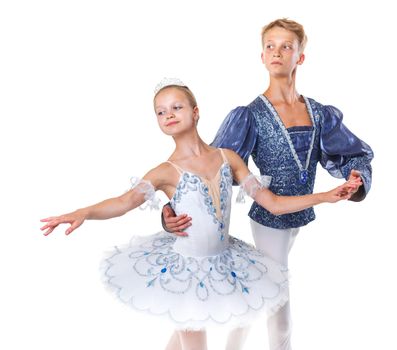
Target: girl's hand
x=355 y=175
x=75 y=220
x=344 y=191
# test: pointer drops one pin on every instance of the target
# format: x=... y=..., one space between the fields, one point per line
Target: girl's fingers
x=48 y=231
x=346 y=196
x=53 y=225
x=72 y=227
x=48 y=219
x=54 y=221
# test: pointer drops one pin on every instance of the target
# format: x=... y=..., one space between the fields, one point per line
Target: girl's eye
x=287 y=47
x=269 y=46
x=177 y=108
x=160 y=113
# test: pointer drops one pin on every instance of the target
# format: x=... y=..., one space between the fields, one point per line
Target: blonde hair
x=289 y=25
x=184 y=89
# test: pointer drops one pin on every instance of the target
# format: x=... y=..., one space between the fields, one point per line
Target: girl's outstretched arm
x=109 y=208
x=279 y=205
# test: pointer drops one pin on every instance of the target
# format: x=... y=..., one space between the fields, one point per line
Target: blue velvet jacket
x=257 y=130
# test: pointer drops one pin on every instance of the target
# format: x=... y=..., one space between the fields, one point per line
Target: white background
x=76 y=88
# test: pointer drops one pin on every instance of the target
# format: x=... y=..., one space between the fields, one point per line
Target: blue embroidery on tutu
x=231 y=270
x=223 y=274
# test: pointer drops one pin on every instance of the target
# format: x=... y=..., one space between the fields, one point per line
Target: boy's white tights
x=276 y=244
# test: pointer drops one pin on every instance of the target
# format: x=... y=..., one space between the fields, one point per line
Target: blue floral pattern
x=234 y=269
x=254 y=131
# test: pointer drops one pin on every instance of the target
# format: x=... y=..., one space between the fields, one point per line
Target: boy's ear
x=301 y=58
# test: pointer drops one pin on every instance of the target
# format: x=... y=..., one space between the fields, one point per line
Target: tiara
x=167 y=82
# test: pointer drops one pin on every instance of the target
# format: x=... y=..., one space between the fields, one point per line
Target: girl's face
x=281 y=52
x=174 y=112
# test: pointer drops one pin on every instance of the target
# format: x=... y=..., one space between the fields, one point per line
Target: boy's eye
x=177 y=108
x=160 y=113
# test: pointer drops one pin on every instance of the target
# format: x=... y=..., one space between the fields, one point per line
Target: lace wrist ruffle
x=250 y=186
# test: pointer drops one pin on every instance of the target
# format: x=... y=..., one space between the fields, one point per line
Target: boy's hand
x=175 y=224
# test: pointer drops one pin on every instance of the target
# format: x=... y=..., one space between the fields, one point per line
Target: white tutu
x=194 y=292
x=205 y=278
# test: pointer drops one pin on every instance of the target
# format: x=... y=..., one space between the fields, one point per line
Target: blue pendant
x=303 y=176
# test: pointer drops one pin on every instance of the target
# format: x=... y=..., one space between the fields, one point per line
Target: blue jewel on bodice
x=303 y=176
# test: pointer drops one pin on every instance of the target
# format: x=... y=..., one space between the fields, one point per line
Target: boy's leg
x=236 y=338
x=276 y=244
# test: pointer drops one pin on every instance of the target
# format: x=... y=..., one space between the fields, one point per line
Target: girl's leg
x=174 y=342
x=276 y=244
x=193 y=340
x=236 y=338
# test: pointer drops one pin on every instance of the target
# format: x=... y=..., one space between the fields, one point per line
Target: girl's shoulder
x=230 y=154
x=161 y=175
x=232 y=158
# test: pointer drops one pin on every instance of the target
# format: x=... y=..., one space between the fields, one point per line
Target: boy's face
x=280 y=52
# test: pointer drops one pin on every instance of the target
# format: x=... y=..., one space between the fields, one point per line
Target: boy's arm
x=343 y=154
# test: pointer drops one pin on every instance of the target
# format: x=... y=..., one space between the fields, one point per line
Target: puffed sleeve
x=342 y=151
x=237 y=132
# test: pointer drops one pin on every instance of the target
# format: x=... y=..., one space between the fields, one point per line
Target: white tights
x=276 y=244
x=188 y=340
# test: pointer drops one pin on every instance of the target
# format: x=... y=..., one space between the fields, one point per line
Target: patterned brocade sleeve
x=342 y=151
x=237 y=132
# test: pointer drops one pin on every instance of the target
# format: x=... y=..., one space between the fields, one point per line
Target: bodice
x=208 y=203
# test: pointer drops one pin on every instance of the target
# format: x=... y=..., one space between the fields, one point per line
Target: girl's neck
x=189 y=146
